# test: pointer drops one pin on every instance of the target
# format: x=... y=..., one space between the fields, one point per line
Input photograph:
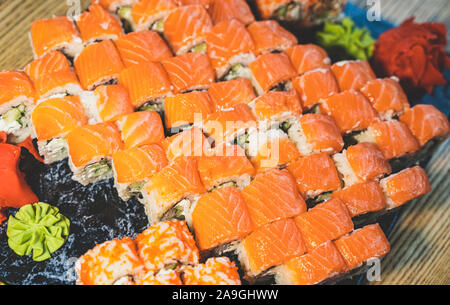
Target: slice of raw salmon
x=226 y=94
x=353 y=74
x=140 y=128
x=225 y=10
x=270 y=36
x=307 y=57
x=113 y=101
x=189 y=143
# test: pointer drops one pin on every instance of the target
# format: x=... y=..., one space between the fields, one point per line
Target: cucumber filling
x=285 y=126
x=55 y=149
x=237 y=71
x=158 y=25
x=151 y=107
x=135 y=188
x=125 y=16
x=230 y=183
x=97 y=171
x=242 y=140
x=15 y=115
x=199 y=48
x=290 y=11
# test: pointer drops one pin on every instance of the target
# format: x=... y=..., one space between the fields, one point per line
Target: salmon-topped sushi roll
x=162 y=277
x=220 y=217
x=107 y=103
x=230 y=48
x=362 y=245
x=57 y=33
x=226 y=10
x=188 y=72
x=362 y=198
x=393 y=138
x=52 y=74
x=112 y=262
x=183 y=110
x=98 y=24
x=350 y=109
x=312 y=268
x=315 y=174
x=272 y=71
x=148 y=84
x=353 y=74
x=17 y=99
x=225 y=165
x=132 y=168
x=426 y=122
x=167 y=188
x=271 y=196
x=167 y=243
x=228 y=125
x=52 y=120
x=149 y=14
x=215 y=271
x=315 y=85
x=141 y=128
x=270 y=149
x=404 y=186
x=141 y=47
x=195 y=23
x=90 y=150
x=227 y=94
x=314 y=133
x=288 y=10
x=324 y=222
x=270 y=246
x=307 y=57
x=361 y=162
x=270 y=36
x=188 y=143
x=98 y=64
x=386 y=96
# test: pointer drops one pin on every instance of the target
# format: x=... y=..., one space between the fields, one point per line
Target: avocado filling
x=158 y=25
x=236 y=71
x=152 y=107
x=290 y=11
x=199 y=48
x=125 y=16
x=285 y=126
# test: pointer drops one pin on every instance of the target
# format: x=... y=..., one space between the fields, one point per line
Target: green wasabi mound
x=345 y=39
x=37 y=228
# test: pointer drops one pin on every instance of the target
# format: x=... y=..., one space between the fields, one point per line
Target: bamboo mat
x=420 y=240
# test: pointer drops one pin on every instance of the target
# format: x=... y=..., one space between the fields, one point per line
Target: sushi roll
x=189 y=143
x=225 y=165
x=107 y=103
x=57 y=33
x=52 y=120
x=17 y=99
x=184 y=110
x=162 y=277
x=272 y=71
x=97 y=24
x=273 y=196
x=393 y=138
x=112 y=262
x=231 y=49
x=149 y=14
x=140 y=47
x=353 y=74
x=361 y=162
x=225 y=95
x=52 y=74
x=315 y=85
x=215 y=271
x=362 y=198
x=307 y=57
x=219 y=218
x=141 y=128
x=226 y=10
x=114 y=5
x=315 y=174
x=322 y=263
x=98 y=64
x=315 y=133
x=404 y=186
x=90 y=150
x=362 y=245
x=387 y=97
x=270 y=246
x=350 y=109
x=195 y=23
x=426 y=123
x=270 y=149
x=227 y=126
x=277 y=109
x=285 y=10
x=167 y=244
x=132 y=168
x=188 y=72
x=167 y=188
x=269 y=36
x=148 y=85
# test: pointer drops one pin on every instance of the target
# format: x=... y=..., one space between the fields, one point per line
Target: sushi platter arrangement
x=207 y=142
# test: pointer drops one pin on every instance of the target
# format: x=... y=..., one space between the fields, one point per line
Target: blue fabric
x=440 y=96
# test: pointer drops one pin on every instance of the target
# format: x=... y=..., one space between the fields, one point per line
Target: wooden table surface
x=420 y=240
